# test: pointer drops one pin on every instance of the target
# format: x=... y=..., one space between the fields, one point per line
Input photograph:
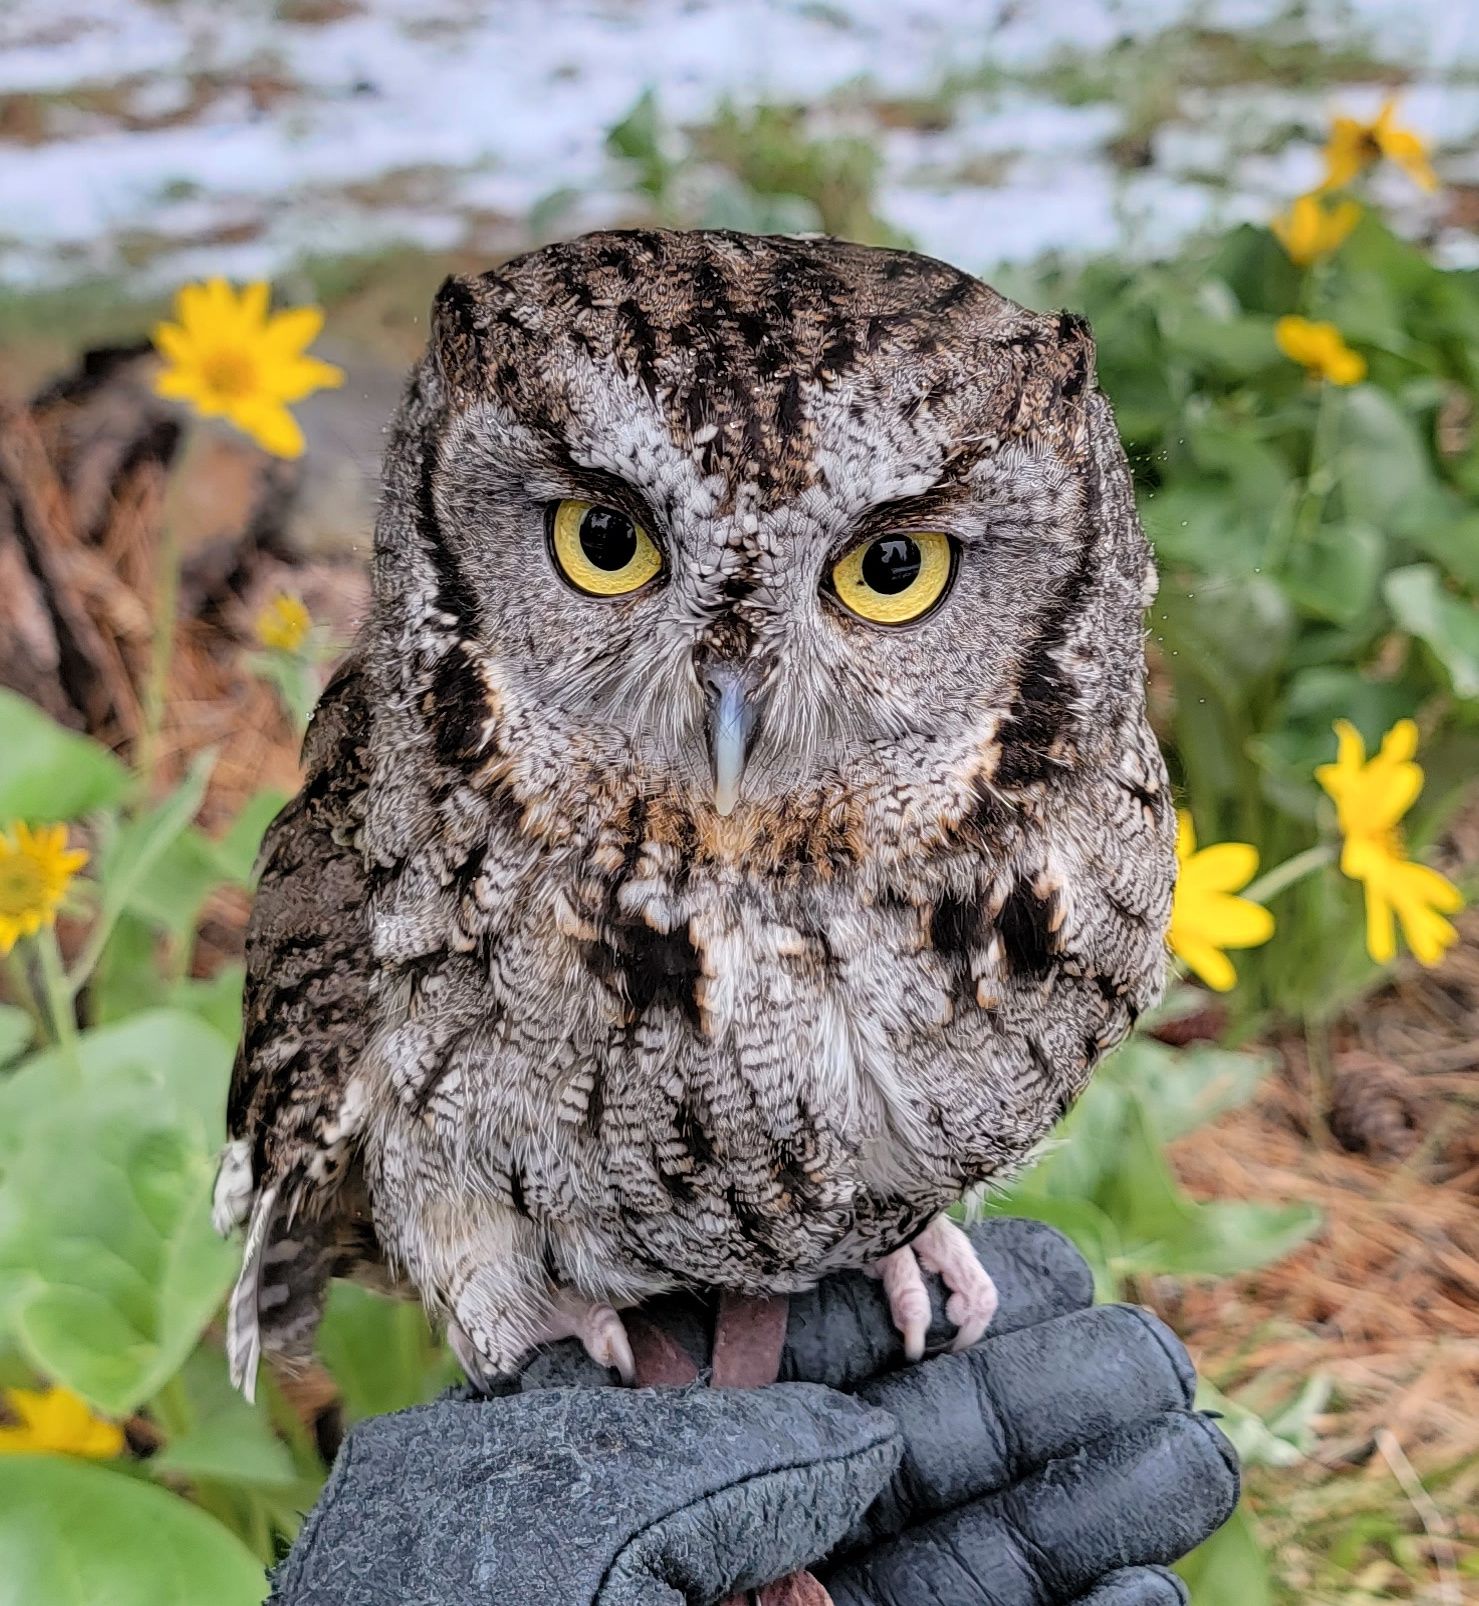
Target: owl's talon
x=908 y=1298
x=599 y=1329
x=944 y=1249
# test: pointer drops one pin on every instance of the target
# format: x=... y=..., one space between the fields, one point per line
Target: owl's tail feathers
x=287 y=1263
x=243 y=1314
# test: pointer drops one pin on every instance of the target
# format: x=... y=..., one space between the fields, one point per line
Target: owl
x=736 y=835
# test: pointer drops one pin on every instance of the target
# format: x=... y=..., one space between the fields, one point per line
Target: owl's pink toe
x=944 y=1249
x=908 y=1298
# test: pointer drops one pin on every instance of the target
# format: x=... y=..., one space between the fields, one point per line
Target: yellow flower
x=1318 y=347
x=1370 y=798
x=283 y=625
x=1310 y=230
x=55 y=1421
x=233 y=361
x=1206 y=917
x=1353 y=146
x=36 y=868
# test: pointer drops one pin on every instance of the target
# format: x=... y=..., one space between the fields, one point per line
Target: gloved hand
x=1058 y=1461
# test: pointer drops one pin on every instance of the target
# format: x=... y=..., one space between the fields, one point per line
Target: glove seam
x=1173 y=1350
x=882 y=1439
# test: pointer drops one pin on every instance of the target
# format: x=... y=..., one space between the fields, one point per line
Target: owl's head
x=750 y=521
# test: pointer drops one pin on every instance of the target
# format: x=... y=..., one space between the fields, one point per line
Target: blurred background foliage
x=1287 y=1170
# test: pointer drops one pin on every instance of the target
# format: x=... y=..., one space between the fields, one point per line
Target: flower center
x=230 y=372
x=23 y=888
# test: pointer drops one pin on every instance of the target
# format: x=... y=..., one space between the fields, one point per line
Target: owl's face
x=758 y=520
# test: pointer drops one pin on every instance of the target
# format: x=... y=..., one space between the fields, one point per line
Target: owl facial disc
x=733 y=718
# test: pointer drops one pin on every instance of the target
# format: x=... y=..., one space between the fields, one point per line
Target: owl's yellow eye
x=600 y=551
x=896 y=578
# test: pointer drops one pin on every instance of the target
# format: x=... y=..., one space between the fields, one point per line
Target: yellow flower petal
x=1381 y=927
x=36 y=870
x=55 y=1421
x=271 y=425
x=1208 y=964
x=229 y=357
x=1225 y=867
x=1241 y=923
x=303 y=375
x=289 y=332
x=1205 y=919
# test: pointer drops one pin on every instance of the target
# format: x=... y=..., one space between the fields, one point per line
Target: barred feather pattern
x=550 y=1023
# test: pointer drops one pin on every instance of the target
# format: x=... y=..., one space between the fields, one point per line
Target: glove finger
x=840 y=1332
x=1141 y=1497
x=635 y=1497
x=1137 y=1586
x=976 y=1422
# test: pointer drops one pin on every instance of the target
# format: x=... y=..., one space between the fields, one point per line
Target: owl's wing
x=305 y=1017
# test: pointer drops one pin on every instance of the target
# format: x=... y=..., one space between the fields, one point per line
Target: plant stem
x=1272 y=882
x=25 y=994
x=166 y=600
x=172 y=1408
x=60 y=1003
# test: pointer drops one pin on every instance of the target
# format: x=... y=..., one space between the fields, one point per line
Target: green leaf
x=1230 y=1569
x=49 y=773
x=228 y=1440
x=1449 y=626
x=16 y=1032
x=76 y=1534
x=217 y=1001
x=381 y=1352
x=236 y=852
x=1451 y=541
x=1381 y=463
x=1182 y=1089
x=1334 y=574
x=1166 y=1231
x=146 y=866
x=107 y=1282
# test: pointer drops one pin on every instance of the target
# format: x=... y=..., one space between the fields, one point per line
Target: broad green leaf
x=1451 y=541
x=217 y=1001
x=136 y=868
x=16 y=1032
x=1448 y=624
x=109 y=1269
x=171 y=1059
x=1334 y=574
x=381 y=1352
x=76 y=1534
x=1282 y=1439
x=1166 y=1231
x=1182 y=1089
x=228 y=1440
x=1230 y=1568
x=236 y=852
x=1381 y=464
x=49 y=773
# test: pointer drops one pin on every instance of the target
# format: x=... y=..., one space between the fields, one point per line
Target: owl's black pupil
x=891 y=565
x=608 y=538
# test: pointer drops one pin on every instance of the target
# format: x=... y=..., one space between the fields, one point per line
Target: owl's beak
x=733 y=717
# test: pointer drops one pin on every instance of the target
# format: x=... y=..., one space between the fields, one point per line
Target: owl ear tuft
x=459 y=336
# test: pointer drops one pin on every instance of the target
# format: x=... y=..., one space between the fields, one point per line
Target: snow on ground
x=183 y=136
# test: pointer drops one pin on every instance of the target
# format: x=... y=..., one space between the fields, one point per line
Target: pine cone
x=1374 y=1108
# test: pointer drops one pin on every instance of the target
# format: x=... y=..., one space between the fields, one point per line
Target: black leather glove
x=1058 y=1461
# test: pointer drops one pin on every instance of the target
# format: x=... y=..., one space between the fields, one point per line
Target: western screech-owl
x=737 y=833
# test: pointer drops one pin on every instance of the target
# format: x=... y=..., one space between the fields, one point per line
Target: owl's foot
x=596 y=1325
x=944 y=1249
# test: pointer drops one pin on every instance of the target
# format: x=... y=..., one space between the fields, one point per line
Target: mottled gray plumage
x=519 y=996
